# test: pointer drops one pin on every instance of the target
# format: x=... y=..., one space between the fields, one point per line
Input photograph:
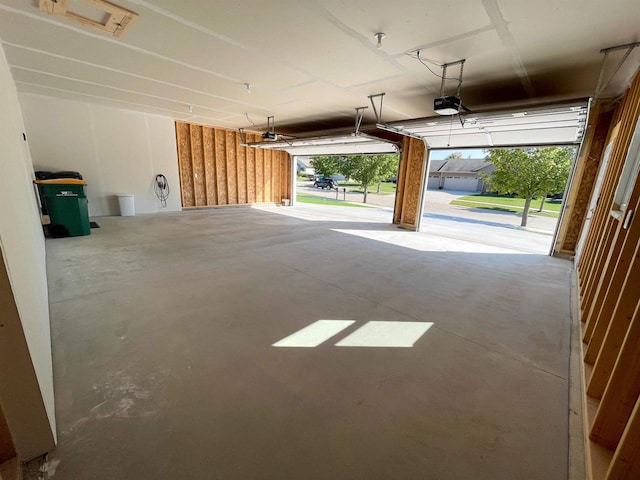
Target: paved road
x=307 y=188
x=438 y=206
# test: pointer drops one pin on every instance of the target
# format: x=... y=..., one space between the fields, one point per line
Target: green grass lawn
x=507 y=204
x=328 y=201
x=386 y=188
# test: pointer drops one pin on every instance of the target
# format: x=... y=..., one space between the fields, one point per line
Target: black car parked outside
x=325 y=183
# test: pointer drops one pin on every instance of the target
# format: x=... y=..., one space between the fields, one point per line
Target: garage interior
x=152 y=347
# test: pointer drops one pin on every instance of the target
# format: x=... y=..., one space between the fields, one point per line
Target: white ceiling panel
x=311 y=63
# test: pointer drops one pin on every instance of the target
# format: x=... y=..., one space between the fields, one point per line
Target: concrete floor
x=162 y=330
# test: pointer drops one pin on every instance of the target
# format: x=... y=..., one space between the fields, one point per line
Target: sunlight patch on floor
x=386 y=334
x=371 y=334
x=428 y=243
x=314 y=334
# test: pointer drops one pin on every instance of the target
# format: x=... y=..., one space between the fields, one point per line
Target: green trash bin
x=66 y=200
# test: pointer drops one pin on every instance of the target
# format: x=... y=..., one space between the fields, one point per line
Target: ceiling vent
x=99 y=14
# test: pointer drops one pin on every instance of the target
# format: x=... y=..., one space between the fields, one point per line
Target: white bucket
x=285 y=202
x=127 y=206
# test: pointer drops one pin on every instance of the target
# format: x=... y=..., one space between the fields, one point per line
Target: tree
x=453 y=156
x=368 y=169
x=529 y=172
x=326 y=165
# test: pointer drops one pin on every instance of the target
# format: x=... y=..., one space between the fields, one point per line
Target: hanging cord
x=161 y=189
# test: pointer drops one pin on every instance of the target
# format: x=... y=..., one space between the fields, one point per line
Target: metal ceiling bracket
x=378 y=112
x=359 y=115
x=602 y=84
x=271 y=125
x=444 y=75
x=243 y=137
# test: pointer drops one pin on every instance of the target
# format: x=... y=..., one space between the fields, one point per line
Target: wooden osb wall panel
x=588 y=164
x=410 y=178
x=241 y=171
x=197 y=163
x=251 y=174
x=220 y=156
x=183 y=137
x=260 y=175
x=232 y=169
x=215 y=169
x=267 y=173
x=609 y=288
x=209 y=166
x=603 y=237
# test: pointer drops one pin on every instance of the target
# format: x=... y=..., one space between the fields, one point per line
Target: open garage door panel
x=525 y=127
x=556 y=125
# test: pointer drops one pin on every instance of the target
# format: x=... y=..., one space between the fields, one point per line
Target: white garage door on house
x=464 y=184
x=433 y=182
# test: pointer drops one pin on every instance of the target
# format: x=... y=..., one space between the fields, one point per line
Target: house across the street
x=303 y=165
x=464 y=174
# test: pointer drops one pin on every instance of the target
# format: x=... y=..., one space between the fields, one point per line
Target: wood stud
x=609 y=290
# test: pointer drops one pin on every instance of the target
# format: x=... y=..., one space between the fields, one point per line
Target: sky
x=466 y=153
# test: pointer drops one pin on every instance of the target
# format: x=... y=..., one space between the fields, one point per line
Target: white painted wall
x=23 y=250
x=115 y=150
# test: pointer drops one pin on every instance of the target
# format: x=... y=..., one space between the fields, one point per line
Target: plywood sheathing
x=197 y=162
x=216 y=169
x=609 y=288
x=587 y=166
x=410 y=179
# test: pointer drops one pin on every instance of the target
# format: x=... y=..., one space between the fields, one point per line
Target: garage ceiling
x=310 y=63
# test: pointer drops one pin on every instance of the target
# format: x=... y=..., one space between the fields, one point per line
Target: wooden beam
x=621 y=392
x=208 y=148
x=197 y=165
x=268 y=195
x=625 y=464
x=628 y=300
x=232 y=172
x=221 y=166
x=260 y=175
x=241 y=173
x=183 y=140
x=251 y=173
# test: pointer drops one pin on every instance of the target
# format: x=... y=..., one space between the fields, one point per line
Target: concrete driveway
x=438 y=206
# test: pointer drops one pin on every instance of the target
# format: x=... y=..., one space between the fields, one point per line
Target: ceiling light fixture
x=248 y=87
x=190 y=108
x=379 y=36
